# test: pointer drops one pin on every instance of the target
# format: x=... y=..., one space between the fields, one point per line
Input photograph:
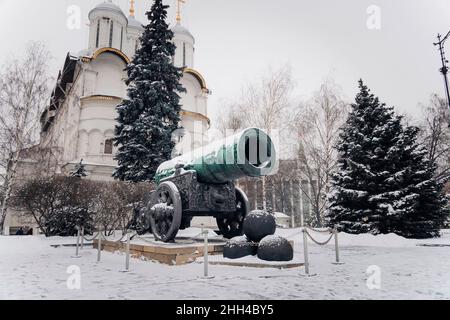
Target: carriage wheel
x=166 y=212
x=232 y=225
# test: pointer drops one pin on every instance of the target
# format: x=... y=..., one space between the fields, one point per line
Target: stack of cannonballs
x=259 y=239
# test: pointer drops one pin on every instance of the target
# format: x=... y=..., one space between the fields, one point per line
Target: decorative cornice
x=195 y=115
x=191 y=114
x=115 y=51
x=199 y=77
x=100 y=97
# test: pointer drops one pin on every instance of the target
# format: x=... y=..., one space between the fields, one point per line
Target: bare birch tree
x=230 y=121
x=265 y=104
x=435 y=135
x=23 y=95
x=315 y=129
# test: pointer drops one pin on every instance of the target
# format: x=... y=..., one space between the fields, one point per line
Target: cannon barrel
x=249 y=153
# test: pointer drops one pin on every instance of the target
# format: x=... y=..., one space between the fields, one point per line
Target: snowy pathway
x=31 y=269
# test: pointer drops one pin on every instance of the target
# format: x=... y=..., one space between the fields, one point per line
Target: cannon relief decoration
x=202 y=183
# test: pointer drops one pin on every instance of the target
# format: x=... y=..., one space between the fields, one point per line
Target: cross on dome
x=179 y=2
x=132 y=8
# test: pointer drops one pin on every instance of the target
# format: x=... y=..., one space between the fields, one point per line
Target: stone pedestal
x=167 y=253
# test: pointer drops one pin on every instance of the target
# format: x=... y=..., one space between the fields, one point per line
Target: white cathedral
x=80 y=119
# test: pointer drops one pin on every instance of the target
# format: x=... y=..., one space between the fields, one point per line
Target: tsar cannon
x=202 y=183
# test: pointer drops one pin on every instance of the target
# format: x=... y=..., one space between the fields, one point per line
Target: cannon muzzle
x=250 y=153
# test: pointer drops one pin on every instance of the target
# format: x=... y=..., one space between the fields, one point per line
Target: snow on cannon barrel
x=201 y=183
x=249 y=153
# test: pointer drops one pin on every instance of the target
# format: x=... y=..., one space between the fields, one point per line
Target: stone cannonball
x=259 y=224
x=275 y=248
x=239 y=247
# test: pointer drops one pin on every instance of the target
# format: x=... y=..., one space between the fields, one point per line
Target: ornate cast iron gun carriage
x=201 y=183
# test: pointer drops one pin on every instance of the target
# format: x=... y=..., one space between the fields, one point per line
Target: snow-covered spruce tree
x=152 y=111
x=384 y=182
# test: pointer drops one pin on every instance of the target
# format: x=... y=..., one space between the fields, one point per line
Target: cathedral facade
x=80 y=119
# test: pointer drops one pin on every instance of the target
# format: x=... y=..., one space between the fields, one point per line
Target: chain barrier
x=116 y=241
x=89 y=240
x=327 y=230
x=307 y=234
x=313 y=229
x=318 y=242
x=104 y=238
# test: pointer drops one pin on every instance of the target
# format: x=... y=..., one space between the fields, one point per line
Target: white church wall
x=110 y=75
x=98 y=109
x=84 y=121
x=109 y=134
x=97 y=123
x=89 y=81
x=184 y=54
x=196 y=129
x=83 y=144
x=201 y=101
x=103 y=33
x=106 y=19
x=73 y=118
x=132 y=41
x=55 y=137
x=63 y=134
x=92 y=143
x=82 y=126
x=189 y=99
x=96 y=139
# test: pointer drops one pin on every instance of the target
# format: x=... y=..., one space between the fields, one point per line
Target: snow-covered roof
x=82 y=53
x=107 y=6
x=179 y=29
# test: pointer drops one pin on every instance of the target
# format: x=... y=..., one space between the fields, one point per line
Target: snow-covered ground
x=30 y=268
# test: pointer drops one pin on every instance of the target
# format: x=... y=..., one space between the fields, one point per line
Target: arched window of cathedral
x=111 y=33
x=109 y=146
x=98 y=34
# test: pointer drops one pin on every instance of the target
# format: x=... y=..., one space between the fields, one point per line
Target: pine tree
x=79 y=170
x=384 y=181
x=152 y=111
x=422 y=208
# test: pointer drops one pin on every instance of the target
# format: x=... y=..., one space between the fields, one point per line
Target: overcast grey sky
x=236 y=41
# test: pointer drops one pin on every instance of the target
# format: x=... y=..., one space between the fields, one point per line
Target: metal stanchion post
x=127 y=258
x=82 y=238
x=336 y=244
x=99 y=246
x=305 y=250
x=205 y=255
x=77 y=255
x=305 y=243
